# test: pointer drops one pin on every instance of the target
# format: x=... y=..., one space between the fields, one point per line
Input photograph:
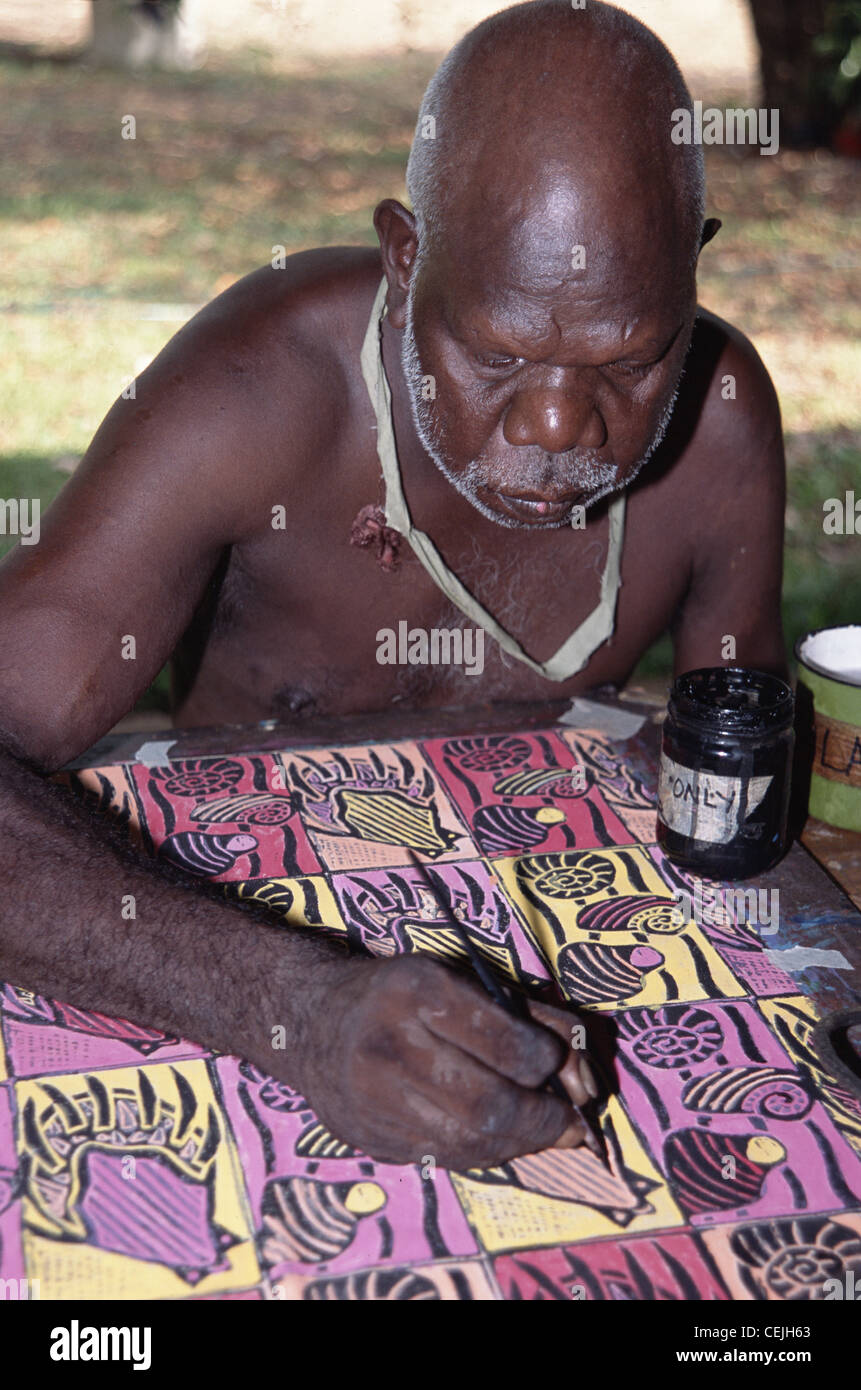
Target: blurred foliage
x=809 y=68
x=840 y=45
x=823 y=573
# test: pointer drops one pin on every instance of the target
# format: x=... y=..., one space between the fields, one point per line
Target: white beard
x=582 y=469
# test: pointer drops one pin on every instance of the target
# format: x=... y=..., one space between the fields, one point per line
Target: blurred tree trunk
x=145 y=33
x=792 y=71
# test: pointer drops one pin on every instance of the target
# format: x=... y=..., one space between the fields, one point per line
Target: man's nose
x=554 y=418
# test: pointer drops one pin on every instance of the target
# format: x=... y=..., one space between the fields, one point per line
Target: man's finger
x=490 y=1116
x=572 y=1137
x=515 y=1048
x=576 y=1074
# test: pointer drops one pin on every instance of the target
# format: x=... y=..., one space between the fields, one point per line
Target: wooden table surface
x=819 y=879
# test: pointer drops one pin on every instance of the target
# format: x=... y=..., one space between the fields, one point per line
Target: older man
x=512 y=416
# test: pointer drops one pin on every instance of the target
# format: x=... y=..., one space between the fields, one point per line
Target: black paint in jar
x=724 y=779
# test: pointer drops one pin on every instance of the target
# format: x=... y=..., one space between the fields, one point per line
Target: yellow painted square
x=517 y=1216
x=167 y=1128
x=288 y=898
x=648 y=956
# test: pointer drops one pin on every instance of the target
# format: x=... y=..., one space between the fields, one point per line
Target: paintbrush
x=506 y=999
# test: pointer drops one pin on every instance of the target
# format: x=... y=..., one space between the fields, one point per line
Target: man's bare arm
x=187 y=963
x=737 y=534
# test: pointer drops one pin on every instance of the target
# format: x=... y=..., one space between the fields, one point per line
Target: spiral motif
x=676 y=1036
x=782 y=1100
x=569 y=875
x=750 y=1091
x=488 y=754
x=801 y=1270
x=675 y=1047
x=664 y=918
x=793 y=1259
x=200 y=776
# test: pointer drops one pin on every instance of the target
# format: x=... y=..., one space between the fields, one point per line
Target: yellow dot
x=365 y=1197
x=549 y=815
x=761 y=1149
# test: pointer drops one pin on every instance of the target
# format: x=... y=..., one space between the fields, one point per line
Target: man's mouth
x=534 y=507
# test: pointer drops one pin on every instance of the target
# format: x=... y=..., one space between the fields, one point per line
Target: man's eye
x=496 y=361
x=631 y=368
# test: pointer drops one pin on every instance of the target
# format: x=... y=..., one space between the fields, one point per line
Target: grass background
x=110 y=244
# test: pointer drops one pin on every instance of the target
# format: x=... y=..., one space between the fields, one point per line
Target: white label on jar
x=705 y=805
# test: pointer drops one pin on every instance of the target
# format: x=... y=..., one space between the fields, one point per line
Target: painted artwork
x=137 y=1165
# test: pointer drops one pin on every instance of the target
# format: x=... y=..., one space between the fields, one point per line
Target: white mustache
x=534 y=470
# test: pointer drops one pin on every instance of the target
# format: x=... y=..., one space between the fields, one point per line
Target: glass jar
x=724 y=779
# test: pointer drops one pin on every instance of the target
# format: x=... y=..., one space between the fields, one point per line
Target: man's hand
x=405 y=1059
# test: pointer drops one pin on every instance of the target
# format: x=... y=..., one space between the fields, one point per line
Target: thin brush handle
x=503 y=998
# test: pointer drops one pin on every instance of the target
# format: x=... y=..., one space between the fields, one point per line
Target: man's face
x=544 y=398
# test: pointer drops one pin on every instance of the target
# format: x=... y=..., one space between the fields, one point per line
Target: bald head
x=555 y=123
x=545 y=282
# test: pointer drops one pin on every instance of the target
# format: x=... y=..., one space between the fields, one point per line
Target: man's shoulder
x=267 y=375
x=739 y=408
x=305 y=315
x=732 y=472
x=723 y=453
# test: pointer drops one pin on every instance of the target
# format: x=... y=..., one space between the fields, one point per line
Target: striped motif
x=631 y=913
x=442 y=941
x=228 y=809
x=377 y=1284
x=702 y=1180
x=305 y=1220
x=753 y=1090
x=394 y=819
x=272 y=894
x=595 y=974
x=574 y=1176
x=503 y=828
x=318 y=1142
x=199 y=853
x=538 y=781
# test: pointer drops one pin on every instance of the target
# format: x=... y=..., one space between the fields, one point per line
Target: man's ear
x=711 y=227
x=396 y=229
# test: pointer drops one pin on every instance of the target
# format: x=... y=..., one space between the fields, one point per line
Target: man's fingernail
x=570 y=1137
x=588 y=1079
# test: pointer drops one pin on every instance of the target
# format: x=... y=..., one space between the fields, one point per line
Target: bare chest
x=305 y=622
